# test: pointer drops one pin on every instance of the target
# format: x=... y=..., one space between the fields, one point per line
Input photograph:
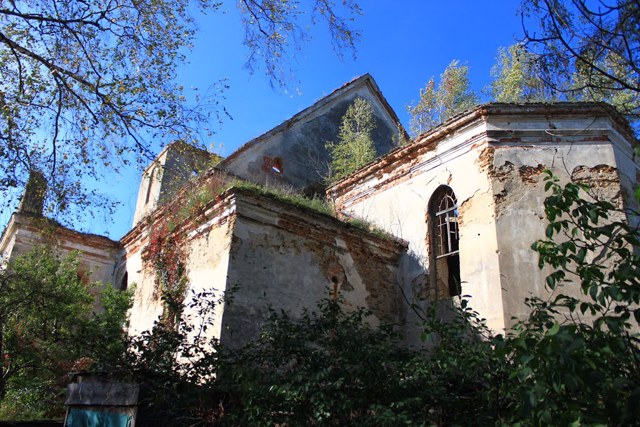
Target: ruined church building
x=461 y=205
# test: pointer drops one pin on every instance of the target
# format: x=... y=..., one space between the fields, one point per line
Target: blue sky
x=403 y=44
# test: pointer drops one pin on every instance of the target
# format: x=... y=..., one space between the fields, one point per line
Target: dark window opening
x=272 y=164
x=276 y=165
x=124 y=282
x=445 y=240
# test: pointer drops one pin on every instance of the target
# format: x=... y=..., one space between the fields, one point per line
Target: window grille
x=444 y=237
x=446 y=225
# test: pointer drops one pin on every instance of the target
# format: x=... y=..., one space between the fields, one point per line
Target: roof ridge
x=353 y=83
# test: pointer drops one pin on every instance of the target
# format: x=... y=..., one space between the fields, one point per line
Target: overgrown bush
x=177 y=367
x=574 y=360
x=328 y=367
x=49 y=327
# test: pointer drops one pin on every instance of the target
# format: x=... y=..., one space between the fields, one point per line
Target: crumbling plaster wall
x=264 y=253
x=395 y=196
x=149 y=190
x=96 y=254
x=205 y=241
x=581 y=149
x=299 y=143
x=493 y=163
x=287 y=258
x=628 y=165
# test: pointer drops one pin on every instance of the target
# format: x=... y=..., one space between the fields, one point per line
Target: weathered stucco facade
x=174 y=167
x=461 y=204
x=492 y=158
x=26 y=232
x=264 y=254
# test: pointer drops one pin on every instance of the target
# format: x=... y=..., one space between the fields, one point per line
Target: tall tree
x=87 y=85
x=516 y=78
x=424 y=114
x=437 y=104
x=354 y=148
x=588 y=50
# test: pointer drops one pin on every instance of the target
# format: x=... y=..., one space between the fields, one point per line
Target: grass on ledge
x=315 y=204
x=198 y=196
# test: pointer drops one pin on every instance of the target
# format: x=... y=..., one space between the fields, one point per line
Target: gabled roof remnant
x=354 y=83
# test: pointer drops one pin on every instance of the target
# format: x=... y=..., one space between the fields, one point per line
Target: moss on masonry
x=318 y=205
x=195 y=198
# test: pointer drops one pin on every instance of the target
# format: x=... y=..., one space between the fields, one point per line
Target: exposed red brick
x=597 y=176
x=485 y=159
x=530 y=174
x=499 y=199
x=501 y=173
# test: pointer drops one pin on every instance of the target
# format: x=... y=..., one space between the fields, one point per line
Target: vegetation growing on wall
x=315 y=204
x=195 y=197
x=166 y=256
x=354 y=147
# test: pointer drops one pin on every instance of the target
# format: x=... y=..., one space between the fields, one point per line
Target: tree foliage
x=88 y=86
x=588 y=50
x=575 y=360
x=355 y=147
x=424 y=114
x=275 y=29
x=438 y=103
x=49 y=327
x=516 y=78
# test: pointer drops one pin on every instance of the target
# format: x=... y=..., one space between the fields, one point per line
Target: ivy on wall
x=165 y=253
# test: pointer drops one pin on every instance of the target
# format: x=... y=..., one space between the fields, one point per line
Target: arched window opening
x=273 y=165
x=445 y=240
x=124 y=283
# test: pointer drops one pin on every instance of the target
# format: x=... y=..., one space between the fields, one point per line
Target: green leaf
x=553 y=330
